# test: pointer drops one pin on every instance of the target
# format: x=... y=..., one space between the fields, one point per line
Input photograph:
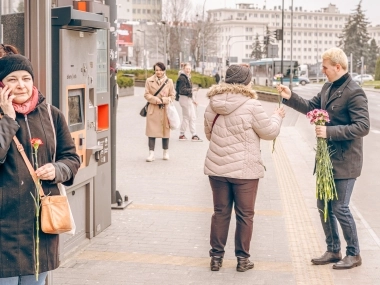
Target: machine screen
x=75 y=110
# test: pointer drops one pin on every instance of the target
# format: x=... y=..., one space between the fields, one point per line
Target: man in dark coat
x=347 y=106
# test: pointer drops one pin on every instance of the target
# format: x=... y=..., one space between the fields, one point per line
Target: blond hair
x=336 y=56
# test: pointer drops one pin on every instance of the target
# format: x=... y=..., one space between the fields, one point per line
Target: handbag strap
x=20 y=148
x=52 y=126
x=162 y=86
x=213 y=123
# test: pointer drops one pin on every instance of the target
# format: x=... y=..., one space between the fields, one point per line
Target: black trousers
x=242 y=194
x=152 y=143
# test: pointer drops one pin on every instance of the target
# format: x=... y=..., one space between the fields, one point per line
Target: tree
x=355 y=36
x=257 y=52
x=373 y=53
x=270 y=40
x=377 y=72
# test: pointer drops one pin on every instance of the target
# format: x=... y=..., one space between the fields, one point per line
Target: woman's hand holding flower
x=46 y=172
x=6 y=102
x=280 y=111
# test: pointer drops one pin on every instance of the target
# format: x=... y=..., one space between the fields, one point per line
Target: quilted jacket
x=234 y=149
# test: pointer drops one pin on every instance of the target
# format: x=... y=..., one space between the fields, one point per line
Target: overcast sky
x=370 y=7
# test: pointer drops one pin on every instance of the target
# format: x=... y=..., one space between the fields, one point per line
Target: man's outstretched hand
x=284 y=91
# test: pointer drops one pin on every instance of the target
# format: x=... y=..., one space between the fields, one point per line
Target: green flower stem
x=325 y=185
x=37 y=203
x=279 y=105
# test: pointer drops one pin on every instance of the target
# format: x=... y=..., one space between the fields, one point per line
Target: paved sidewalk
x=163 y=236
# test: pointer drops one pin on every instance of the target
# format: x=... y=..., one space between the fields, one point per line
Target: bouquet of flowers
x=325 y=185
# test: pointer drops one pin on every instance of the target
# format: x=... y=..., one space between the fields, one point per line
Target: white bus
x=267 y=71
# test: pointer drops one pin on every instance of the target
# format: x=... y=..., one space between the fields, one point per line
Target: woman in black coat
x=187 y=103
x=24 y=114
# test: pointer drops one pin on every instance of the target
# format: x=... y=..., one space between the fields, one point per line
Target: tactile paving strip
x=303 y=242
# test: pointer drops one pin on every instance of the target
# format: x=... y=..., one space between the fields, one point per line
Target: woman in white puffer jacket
x=235 y=121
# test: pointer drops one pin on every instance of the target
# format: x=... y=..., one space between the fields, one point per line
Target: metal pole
x=1 y=25
x=282 y=44
x=291 y=48
x=351 y=64
x=113 y=94
x=146 y=76
x=165 y=53
x=361 y=77
x=203 y=42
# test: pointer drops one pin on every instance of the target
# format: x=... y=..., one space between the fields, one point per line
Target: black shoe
x=244 y=264
x=348 y=262
x=327 y=257
x=216 y=263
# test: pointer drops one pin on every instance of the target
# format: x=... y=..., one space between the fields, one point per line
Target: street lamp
x=165 y=55
x=144 y=54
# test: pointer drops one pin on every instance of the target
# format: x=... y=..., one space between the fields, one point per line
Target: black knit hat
x=14 y=62
x=238 y=74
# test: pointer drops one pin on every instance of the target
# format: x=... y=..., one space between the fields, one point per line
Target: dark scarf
x=337 y=83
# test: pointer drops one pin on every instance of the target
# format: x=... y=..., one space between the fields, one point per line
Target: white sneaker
x=150 y=158
x=166 y=154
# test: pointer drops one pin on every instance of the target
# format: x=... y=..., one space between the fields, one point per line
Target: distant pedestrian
x=347 y=106
x=235 y=122
x=25 y=115
x=217 y=78
x=157 y=124
x=188 y=102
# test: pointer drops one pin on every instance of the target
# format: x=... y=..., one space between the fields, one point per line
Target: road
x=366 y=196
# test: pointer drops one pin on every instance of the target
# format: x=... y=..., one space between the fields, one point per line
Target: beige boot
x=150 y=158
x=166 y=154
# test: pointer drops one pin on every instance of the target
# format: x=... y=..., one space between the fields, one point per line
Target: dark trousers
x=152 y=143
x=226 y=192
x=338 y=210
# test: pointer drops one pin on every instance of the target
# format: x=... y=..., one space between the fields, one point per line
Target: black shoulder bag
x=144 y=110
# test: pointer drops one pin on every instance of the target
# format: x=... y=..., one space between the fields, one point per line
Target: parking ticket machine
x=80 y=90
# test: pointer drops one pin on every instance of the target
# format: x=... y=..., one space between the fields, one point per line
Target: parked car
x=354 y=74
x=362 y=78
x=303 y=80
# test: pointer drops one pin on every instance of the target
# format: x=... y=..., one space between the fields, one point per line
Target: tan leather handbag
x=55 y=210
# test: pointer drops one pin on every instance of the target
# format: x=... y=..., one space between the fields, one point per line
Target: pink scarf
x=29 y=105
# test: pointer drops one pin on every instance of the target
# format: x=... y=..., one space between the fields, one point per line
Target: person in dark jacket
x=217 y=78
x=25 y=114
x=347 y=106
x=188 y=103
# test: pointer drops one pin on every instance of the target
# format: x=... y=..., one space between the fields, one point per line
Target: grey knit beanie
x=14 y=62
x=238 y=74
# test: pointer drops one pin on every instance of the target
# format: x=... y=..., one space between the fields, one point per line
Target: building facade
x=313 y=31
x=146 y=10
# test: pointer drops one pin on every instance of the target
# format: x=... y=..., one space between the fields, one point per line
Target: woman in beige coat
x=157 y=124
x=235 y=122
